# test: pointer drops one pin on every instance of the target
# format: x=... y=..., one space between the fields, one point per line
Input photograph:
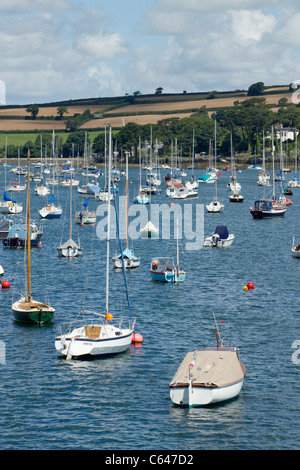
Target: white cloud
x=102 y=46
x=21 y=6
x=251 y=25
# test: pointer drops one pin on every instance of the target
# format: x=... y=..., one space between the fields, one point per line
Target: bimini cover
x=217 y=367
x=222 y=231
x=7 y=198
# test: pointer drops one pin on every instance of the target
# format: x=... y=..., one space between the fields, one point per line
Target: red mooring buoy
x=137 y=338
x=250 y=285
x=5 y=285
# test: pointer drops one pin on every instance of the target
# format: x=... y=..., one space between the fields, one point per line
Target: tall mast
x=71 y=182
x=108 y=219
x=28 y=228
x=127 y=197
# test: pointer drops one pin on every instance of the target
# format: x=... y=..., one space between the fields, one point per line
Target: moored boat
x=208 y=376
x=221 y=238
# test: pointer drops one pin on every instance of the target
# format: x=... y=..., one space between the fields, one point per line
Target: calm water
x=123 y=403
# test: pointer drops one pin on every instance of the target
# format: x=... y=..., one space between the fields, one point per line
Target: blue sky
x=66 y=49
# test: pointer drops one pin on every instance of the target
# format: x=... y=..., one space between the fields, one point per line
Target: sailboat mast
x=28 y=228
x=71 y=182
x=108 y=219
x=127 y=198
x=273 y=163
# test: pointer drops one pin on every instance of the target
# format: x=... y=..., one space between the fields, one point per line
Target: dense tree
x=256 y=89
x=61 y=110
x=33 y=109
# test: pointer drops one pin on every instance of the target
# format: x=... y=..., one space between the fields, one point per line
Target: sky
x=54 y=50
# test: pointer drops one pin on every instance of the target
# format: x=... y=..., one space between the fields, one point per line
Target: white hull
x=201 y=396
x=69 y=252
x=10 y=208
x=50 y=212
x=78 y=343
x=295 y=253
x=128 y=263
x=85 y=217
x=215 y=206
x=220 y=243
x=42 y=191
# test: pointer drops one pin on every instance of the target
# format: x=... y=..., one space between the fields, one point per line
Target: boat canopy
x=222 y=231
x=128 y=254
x=69 y=244
x=19 y=231
x=7 y=198
x=215 y=367
x=263 y=204
x=204 y=177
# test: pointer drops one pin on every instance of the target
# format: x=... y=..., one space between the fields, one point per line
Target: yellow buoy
x=245 y=288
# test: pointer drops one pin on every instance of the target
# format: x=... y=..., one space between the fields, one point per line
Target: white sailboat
x=16 y=186
x=295 y=183
x=70 y=249
x=193 y=184
x=52 y=210
x=101 y=337
x=127 y=256
x=8 y=205
x=295 y=249
x=142 y=197
x=149 y=231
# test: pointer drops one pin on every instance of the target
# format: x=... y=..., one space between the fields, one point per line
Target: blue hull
x=167 y=276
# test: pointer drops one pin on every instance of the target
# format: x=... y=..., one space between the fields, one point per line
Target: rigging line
x=121 y=250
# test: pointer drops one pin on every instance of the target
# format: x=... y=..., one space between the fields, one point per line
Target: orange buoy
x=250 y=285
x=137 y=338
x=108 y=316
x=5 y=285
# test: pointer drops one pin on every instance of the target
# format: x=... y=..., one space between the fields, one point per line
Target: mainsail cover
x=7 y=198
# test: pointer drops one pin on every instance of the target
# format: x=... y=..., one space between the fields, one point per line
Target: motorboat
x=17 y=236
x=185 y=193
x=165 y=270
x=221 y=238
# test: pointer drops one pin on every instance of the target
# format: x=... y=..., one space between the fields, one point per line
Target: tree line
x=246 y=122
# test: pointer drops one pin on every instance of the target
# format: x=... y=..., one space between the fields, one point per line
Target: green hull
x=32 y=312
x=33 y=316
